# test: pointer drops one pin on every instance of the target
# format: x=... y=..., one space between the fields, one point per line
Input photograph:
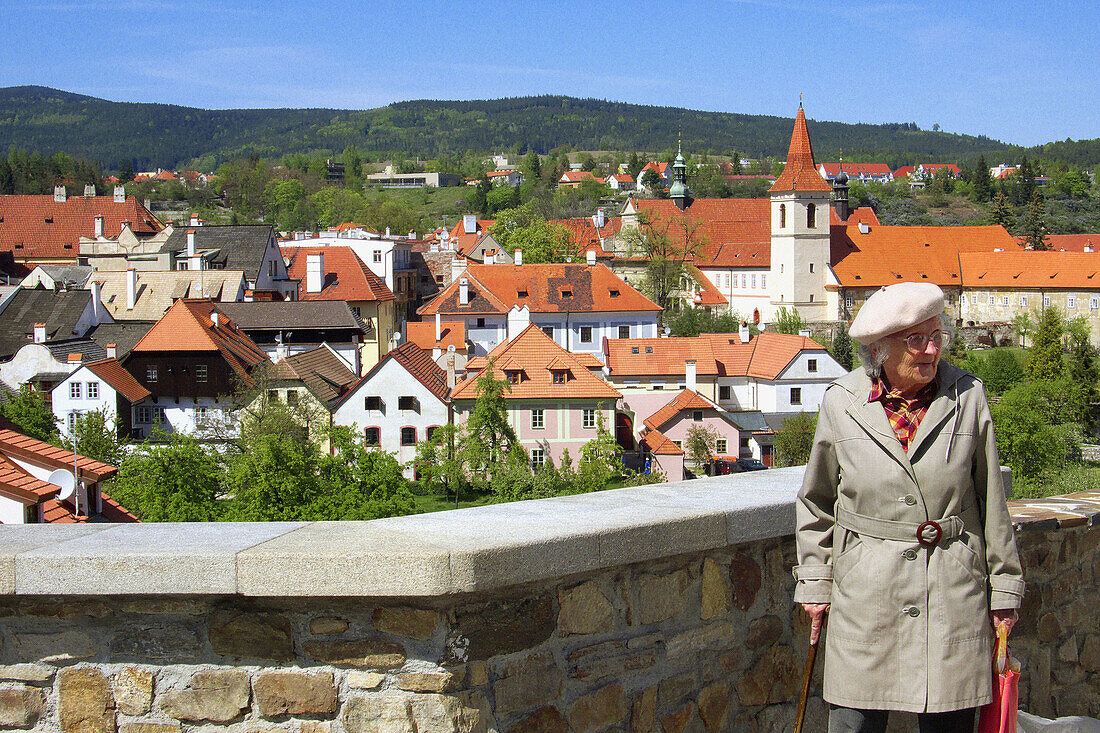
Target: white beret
x=895 y=308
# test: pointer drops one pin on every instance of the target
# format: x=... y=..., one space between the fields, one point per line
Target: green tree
x=27 y=409
x=359 y=483
x=478 y=198
x=1024 y=326
x=1001 y=371
x=700 y=445
x=1045 y=357
x=841 y=348
x=487 y=437
x=601 y=459
x=793 y=443
x=1036 y=427
x=1002 y=212
x=651 y=180
x=735 y=164
x=1083 y=368
x=125 y=171
x=982 y=182
x=634 y=166
x=667 y=247
x=274 y=480
x=788 y=321
x=499 y=198
x=1034 y=225
x=532 y=166
x=1025 y=182
x=97 y=438
x=172 y=480
x=438 y=463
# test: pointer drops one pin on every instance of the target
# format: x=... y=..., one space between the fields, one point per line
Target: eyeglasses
x=918 y=342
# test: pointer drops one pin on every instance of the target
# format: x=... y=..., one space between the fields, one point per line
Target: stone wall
x=538 y=625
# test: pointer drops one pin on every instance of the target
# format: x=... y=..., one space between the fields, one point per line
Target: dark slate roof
x=322 y=372
x=89 y=350
x=239 y=247
x=76 y=274
x=775 y=419
x=59 y=311
x=749 y=421
x=123 y=334
x=283 y=314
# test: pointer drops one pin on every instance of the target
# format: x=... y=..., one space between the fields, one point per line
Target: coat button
x=910 y=500
x=910 y=554
x=913 y=611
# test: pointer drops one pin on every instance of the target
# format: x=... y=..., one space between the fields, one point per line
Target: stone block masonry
x=703 y=639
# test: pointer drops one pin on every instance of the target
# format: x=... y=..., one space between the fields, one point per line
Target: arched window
x=811 y=216
x=782 y=216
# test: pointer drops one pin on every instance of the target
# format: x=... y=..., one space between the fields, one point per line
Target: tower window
x=782 y=216
x=811 y=216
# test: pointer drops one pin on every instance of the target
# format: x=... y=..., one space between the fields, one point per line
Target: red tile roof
x=800 y=173
x=578 y=177
x=346 y=276
x=188 y=326
x=658 y=443
x=622 y=177
x=663 y=169
x=544 y=288
x=765 y=356
x=863 y=214
x=904 y=171
x=452 y=333
x=857 y=169
x=728 y=232
x=113 y=373
x=28 y=449
x=1019 y=269
x=585 y=233
x=708 y=294
x=1072 y=242
x=686 y=400
x=37 y=227
x=61 y=512
x=934 y=167
x=891 y=254
x=419 y=363
x=464 y=243
x=536 y=356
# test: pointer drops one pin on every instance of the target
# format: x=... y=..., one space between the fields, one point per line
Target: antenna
x=63 y=478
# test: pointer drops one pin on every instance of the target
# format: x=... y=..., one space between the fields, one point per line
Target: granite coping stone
x=425 y=555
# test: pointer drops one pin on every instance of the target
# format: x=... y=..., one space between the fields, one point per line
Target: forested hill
x=170 y=136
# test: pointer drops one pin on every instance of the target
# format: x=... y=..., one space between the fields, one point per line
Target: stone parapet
x=665 y=608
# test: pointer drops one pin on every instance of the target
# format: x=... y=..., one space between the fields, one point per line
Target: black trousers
x=850 y=720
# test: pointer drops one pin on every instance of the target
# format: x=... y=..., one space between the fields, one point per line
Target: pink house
x=672 y=423
x=555 y=398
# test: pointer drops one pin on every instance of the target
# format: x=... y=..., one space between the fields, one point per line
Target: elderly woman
x=904 y=538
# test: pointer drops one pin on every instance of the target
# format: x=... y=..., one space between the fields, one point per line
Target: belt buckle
x=924 y=541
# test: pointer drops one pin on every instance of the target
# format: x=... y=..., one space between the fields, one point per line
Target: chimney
x=438 y=326
x=387 y=232
x=194 y=219
x=59 y=194
x=131 y=288
x=463 y=291
x=216 y=318
x=148 y=204
x=112 y=351
x=469 y=223
x=315 y=272
x=40 y=333
x=451 y=367
x=743 y=332
x=195 y=262
x=689 y=374
x=864 y=227
x=97 y=303
x=75 y=358
x=412 y=234
x=120 y=194
x=89 y=191
x=518 y=255
x=98 y=225
x=591 y=256
x=599 y=219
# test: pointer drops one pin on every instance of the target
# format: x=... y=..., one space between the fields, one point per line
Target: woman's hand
x=1006 y=618
x=817 y=613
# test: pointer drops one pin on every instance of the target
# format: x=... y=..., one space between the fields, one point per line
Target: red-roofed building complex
x=27 y=495
x=577 y=305
x=555 y=401
x=47 y=229
x=191 y=361
x=860 y=172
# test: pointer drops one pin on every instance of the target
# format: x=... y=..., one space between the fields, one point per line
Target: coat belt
x=925 y=533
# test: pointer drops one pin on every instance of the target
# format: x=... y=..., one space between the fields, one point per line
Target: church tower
x=800 y=232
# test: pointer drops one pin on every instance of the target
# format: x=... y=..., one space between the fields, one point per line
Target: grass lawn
x=431 y=203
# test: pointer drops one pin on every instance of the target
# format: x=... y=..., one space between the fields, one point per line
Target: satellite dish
x=65 y=479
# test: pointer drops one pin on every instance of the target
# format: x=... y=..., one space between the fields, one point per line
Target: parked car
x=749 y=464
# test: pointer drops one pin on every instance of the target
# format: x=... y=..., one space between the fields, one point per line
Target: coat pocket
x=862 y=608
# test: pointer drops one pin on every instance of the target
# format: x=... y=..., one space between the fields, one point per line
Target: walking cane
x=811 y=656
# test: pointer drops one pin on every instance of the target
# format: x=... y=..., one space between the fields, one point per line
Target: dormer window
x=513 y=376
x=614 y=293
x=561 y=376
x=634 y=349
x=567 y=292
x=649 y=349
x=521 y=293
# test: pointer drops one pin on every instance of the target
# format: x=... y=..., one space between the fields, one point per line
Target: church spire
x=679 y=191
x=800 y=173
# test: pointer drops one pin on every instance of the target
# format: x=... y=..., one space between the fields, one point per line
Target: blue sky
x=1022 y=72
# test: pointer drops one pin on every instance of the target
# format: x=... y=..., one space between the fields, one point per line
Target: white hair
x=874 y=355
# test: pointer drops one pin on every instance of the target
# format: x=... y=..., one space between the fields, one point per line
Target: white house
x=398 y=402
x=103 y=386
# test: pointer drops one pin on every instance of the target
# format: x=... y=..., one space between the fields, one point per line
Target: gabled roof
x=686 y=400
x=280 y=315
x=892 y=254
x=62 y=512
x=38 y=227
x=73 y=275
x=622 y=177
x=25 y=448
x=86 y=348
x=765 y=356
x=346 y=277
x=240 y=247
x=452 y=333
x=726 y=232
x=188 y=327
x=800 y=173
x=544 y=288
x=587 y=235
x=532 y=353
x=904 y=171
x=322 y=372
x=708 y=294
x=1072 y=242
x=417 y=362
x=857 y=169
x=578 y=177
x=1020 y=269
x=60 y=311
x=113 y=373
x=659 y=444
x=662 y=168
x=156 y=291
x=123 y=334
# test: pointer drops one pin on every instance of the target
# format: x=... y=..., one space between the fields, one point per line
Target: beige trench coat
x=908 y=626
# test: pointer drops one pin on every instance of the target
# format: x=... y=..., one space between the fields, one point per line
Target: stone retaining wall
x=703 y=639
